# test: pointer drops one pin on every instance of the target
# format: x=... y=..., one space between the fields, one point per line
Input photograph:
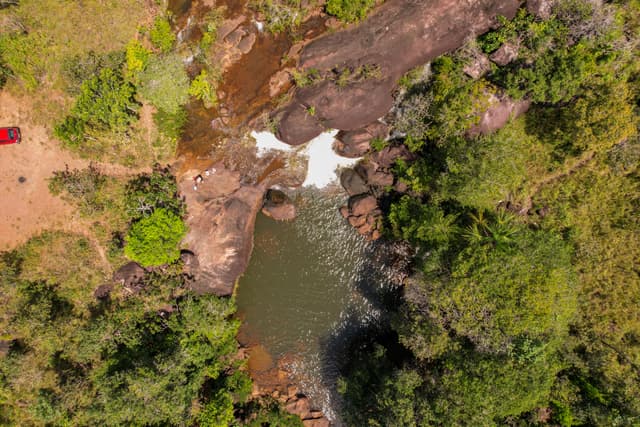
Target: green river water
x=307 y=291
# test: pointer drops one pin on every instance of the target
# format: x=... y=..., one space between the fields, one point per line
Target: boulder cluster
x=370 y=178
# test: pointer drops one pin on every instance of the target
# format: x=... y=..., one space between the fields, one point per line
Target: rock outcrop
x=399 y=36
x=356 y=143
x=221 y=219
x=279 y=206
x=353 y=183
x=501 y=109
x=478 y=66
x=369 y=178
x=130 y=276
x=541 y=8
x=505 y=55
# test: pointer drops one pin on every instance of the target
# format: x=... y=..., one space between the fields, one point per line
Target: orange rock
x=300 y=407
x=318 y=422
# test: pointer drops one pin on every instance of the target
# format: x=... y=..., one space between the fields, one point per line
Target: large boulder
x=506 y=54
x=300 y=407
x=362 y=205
x=316 y=422
x=363 y=214
x=400 y=35
x=386 y=158
x=353 y=183
x=103 y=291
x=356 y=143
x=540 y=8
x=501 y=109
x=129 y=275
x=478 y=66
x=278 y=205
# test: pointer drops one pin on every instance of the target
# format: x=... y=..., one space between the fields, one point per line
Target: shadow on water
x=374 y=281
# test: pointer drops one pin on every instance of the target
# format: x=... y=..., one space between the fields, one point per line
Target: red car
x=9 y=136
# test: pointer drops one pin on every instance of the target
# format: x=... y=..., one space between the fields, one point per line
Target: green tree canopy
x=165 y=83
x=154 y=239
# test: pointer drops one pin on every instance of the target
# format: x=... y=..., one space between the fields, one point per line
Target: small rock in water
x=279 y=206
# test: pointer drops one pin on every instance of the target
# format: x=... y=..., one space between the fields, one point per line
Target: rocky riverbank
x=358 y=69
x=224 y=181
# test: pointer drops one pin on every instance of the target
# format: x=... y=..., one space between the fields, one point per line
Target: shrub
x=203 y=90
x=137 y=57
x=79 y=68
x=165 y=83
x=106 y=101
x=209 y=28
x=161 y=35
x=71 y=131
x=280 y=15
x=154 y=239
x=350 y=10
x=83 y=186
x=17 y=52
x=5 y=72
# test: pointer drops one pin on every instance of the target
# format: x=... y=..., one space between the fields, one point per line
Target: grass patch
x=55 y=31
x=67 y=260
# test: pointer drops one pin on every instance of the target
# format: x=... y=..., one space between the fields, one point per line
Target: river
x=309 y=288
x=312 y=283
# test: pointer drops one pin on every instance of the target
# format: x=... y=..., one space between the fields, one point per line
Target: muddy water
x=307 y=290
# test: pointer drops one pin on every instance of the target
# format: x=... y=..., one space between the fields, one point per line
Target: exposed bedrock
x=222 y=214
x=399 y=36
x=278 y=206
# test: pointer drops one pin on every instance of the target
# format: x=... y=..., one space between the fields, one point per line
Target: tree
x=165 y=83
x=154 y=239
x=106 y=101
x=161 y=35
x=147 y=192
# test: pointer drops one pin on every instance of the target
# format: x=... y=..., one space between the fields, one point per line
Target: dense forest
x=523 y=306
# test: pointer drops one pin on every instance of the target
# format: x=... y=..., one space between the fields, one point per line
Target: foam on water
x=323 y=161
x=266 y=141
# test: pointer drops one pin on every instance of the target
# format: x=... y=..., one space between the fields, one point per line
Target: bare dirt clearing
x=26 y=206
